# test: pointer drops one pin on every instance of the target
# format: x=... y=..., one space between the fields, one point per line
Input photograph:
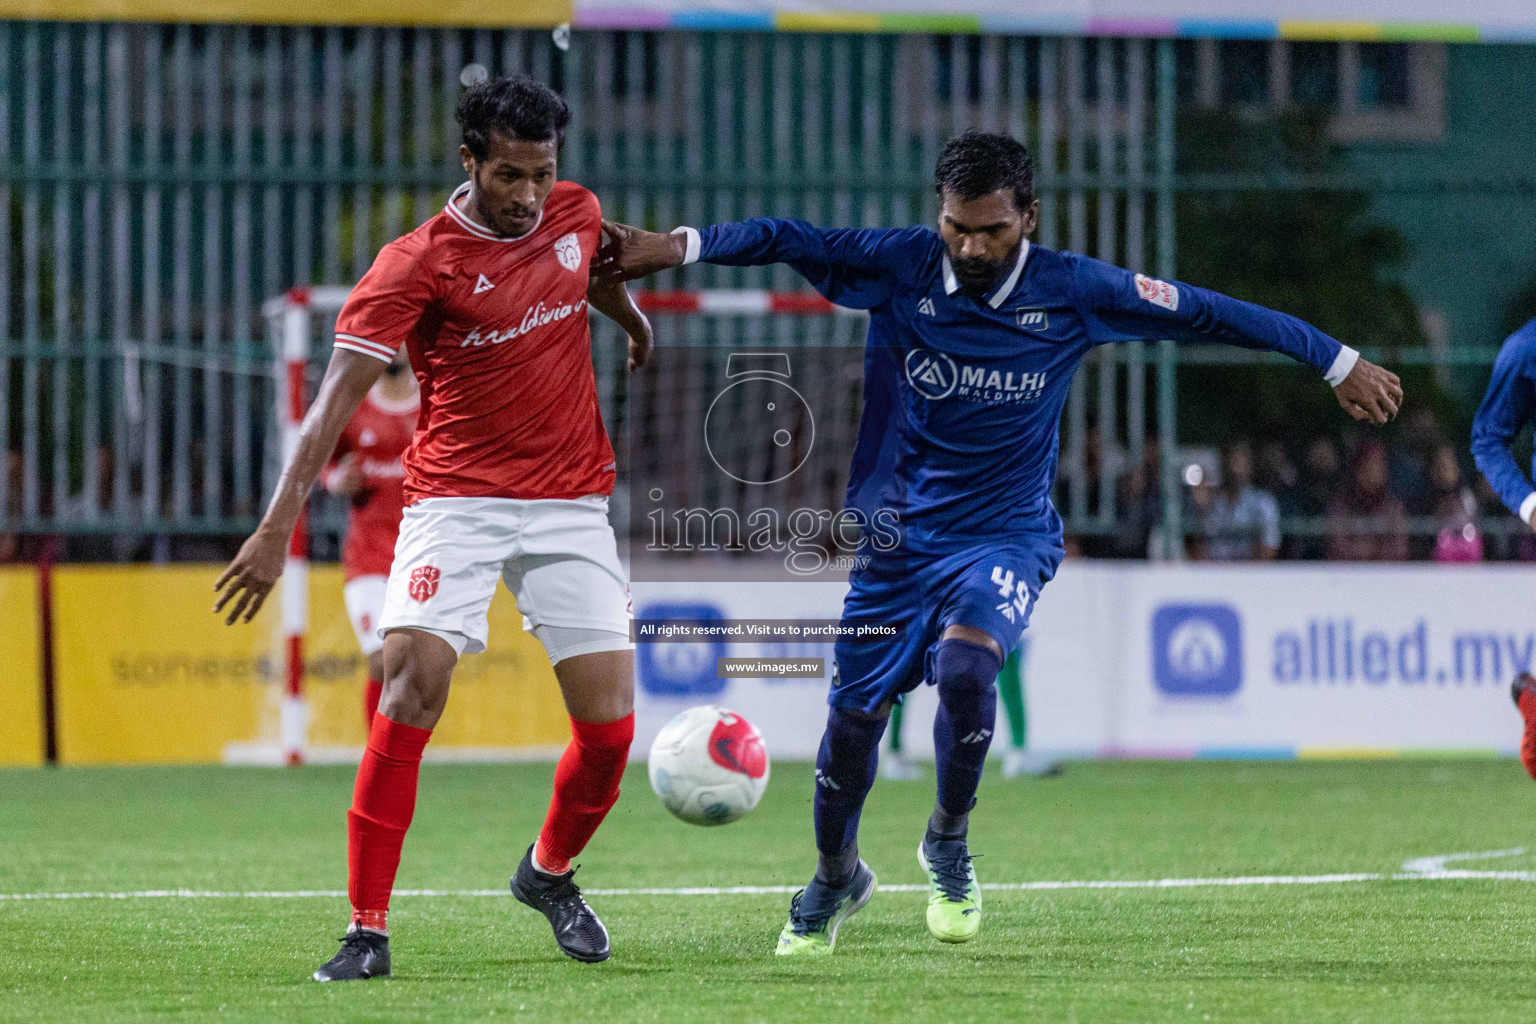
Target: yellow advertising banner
x=442 y=13
x=146 y=673
x=21 y=691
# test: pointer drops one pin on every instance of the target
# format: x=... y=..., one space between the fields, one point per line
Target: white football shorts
x=364 y=596
x=558 y=557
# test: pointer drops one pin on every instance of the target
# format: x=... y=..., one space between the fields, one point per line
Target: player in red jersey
x=508 y=476
x=366 y=469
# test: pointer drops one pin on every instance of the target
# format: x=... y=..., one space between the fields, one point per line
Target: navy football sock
x=962 y=730
x=845 y=771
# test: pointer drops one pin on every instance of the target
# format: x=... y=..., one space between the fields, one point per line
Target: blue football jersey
x=963 y=395
x=1507 y=407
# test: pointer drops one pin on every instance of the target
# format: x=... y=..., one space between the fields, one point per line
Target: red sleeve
x=387 y=303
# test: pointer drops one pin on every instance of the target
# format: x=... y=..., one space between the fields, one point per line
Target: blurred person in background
x=1276 y=473
x=97 y=547
x=1140 y=504
x=10 y=543
x=1411 y=461
x=367 y=471
x=1508 y=406
x=1236 y=520
x=1365 y=493
x=1458 y=539
x=1316 y=483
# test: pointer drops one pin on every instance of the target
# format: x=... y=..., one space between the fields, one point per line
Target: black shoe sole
x=365 y=977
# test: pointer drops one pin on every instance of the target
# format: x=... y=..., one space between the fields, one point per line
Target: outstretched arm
x=1126 y=306
x=1506 y=409
x=375 y=321
x=609 y=297
x=250 y=577
x=852 y=267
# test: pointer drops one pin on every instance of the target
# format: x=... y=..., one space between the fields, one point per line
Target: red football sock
x=586 y=786
x=382 y=804
x=371 y=697
x=1528 y=741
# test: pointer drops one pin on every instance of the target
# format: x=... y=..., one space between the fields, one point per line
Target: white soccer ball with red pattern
x=709 y=766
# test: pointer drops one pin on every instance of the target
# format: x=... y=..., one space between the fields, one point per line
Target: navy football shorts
x=991 y=587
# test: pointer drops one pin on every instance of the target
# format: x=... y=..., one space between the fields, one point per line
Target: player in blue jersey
x=1508 y=406
x=974 y=335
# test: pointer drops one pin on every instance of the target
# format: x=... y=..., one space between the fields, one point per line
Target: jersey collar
x=462 y=219
x=951 y=285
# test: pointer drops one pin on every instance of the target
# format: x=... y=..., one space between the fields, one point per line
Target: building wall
x=1473 y=237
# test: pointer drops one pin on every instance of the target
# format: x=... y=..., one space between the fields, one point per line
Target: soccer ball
x=709 y=766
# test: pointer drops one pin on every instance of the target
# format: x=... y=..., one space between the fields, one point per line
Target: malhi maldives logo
x=931 y=374
x=935 y=376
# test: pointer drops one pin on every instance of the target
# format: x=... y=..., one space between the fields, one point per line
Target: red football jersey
x=377 y=436
x=497 y=333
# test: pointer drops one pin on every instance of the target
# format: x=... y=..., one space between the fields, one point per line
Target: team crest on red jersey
x=424 y=583
x=568 y=251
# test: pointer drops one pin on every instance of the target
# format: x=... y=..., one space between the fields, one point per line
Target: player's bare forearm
x=255 y=569
x=632 y=253
x=346 y=382
x=1370 y=392
x=610 y=298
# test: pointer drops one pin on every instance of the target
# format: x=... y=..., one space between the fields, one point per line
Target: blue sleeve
x=1122 y=306
x=1506 y=409
x=853 y=267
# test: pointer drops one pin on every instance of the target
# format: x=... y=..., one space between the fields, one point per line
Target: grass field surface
x=1394 y=946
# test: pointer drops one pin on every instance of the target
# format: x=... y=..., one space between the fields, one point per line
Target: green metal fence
x=161 y=181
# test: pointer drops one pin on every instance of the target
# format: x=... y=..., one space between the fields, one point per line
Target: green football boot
x=954 y=894
x=818 y=910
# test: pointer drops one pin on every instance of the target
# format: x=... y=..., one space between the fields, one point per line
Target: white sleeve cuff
x=1342 y=364
x=695 y=243
x=1527 y=506
x=353 y=343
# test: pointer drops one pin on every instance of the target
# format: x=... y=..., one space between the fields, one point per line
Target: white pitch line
x=1423 y=864
x=779 y=890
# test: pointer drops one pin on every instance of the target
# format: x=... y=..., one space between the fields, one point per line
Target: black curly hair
x=519 y=108
x=979 y=163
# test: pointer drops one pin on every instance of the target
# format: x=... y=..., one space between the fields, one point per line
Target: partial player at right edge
x=1507 y=407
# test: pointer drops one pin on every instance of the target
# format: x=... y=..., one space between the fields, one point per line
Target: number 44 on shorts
x=1015 y=594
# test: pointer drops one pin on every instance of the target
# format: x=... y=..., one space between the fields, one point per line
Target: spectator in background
x=1366 y=493
x=1419 y=440
x=1316 y=484
x=1237 y=521
x=1141 y=505
x=10 y=544
x=1276 y=472
x=1458 y=539
x=96 y=547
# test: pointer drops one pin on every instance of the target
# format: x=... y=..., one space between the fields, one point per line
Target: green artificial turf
x=1389 y=950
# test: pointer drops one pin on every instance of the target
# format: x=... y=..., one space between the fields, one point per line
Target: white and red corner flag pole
x=295 y=607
